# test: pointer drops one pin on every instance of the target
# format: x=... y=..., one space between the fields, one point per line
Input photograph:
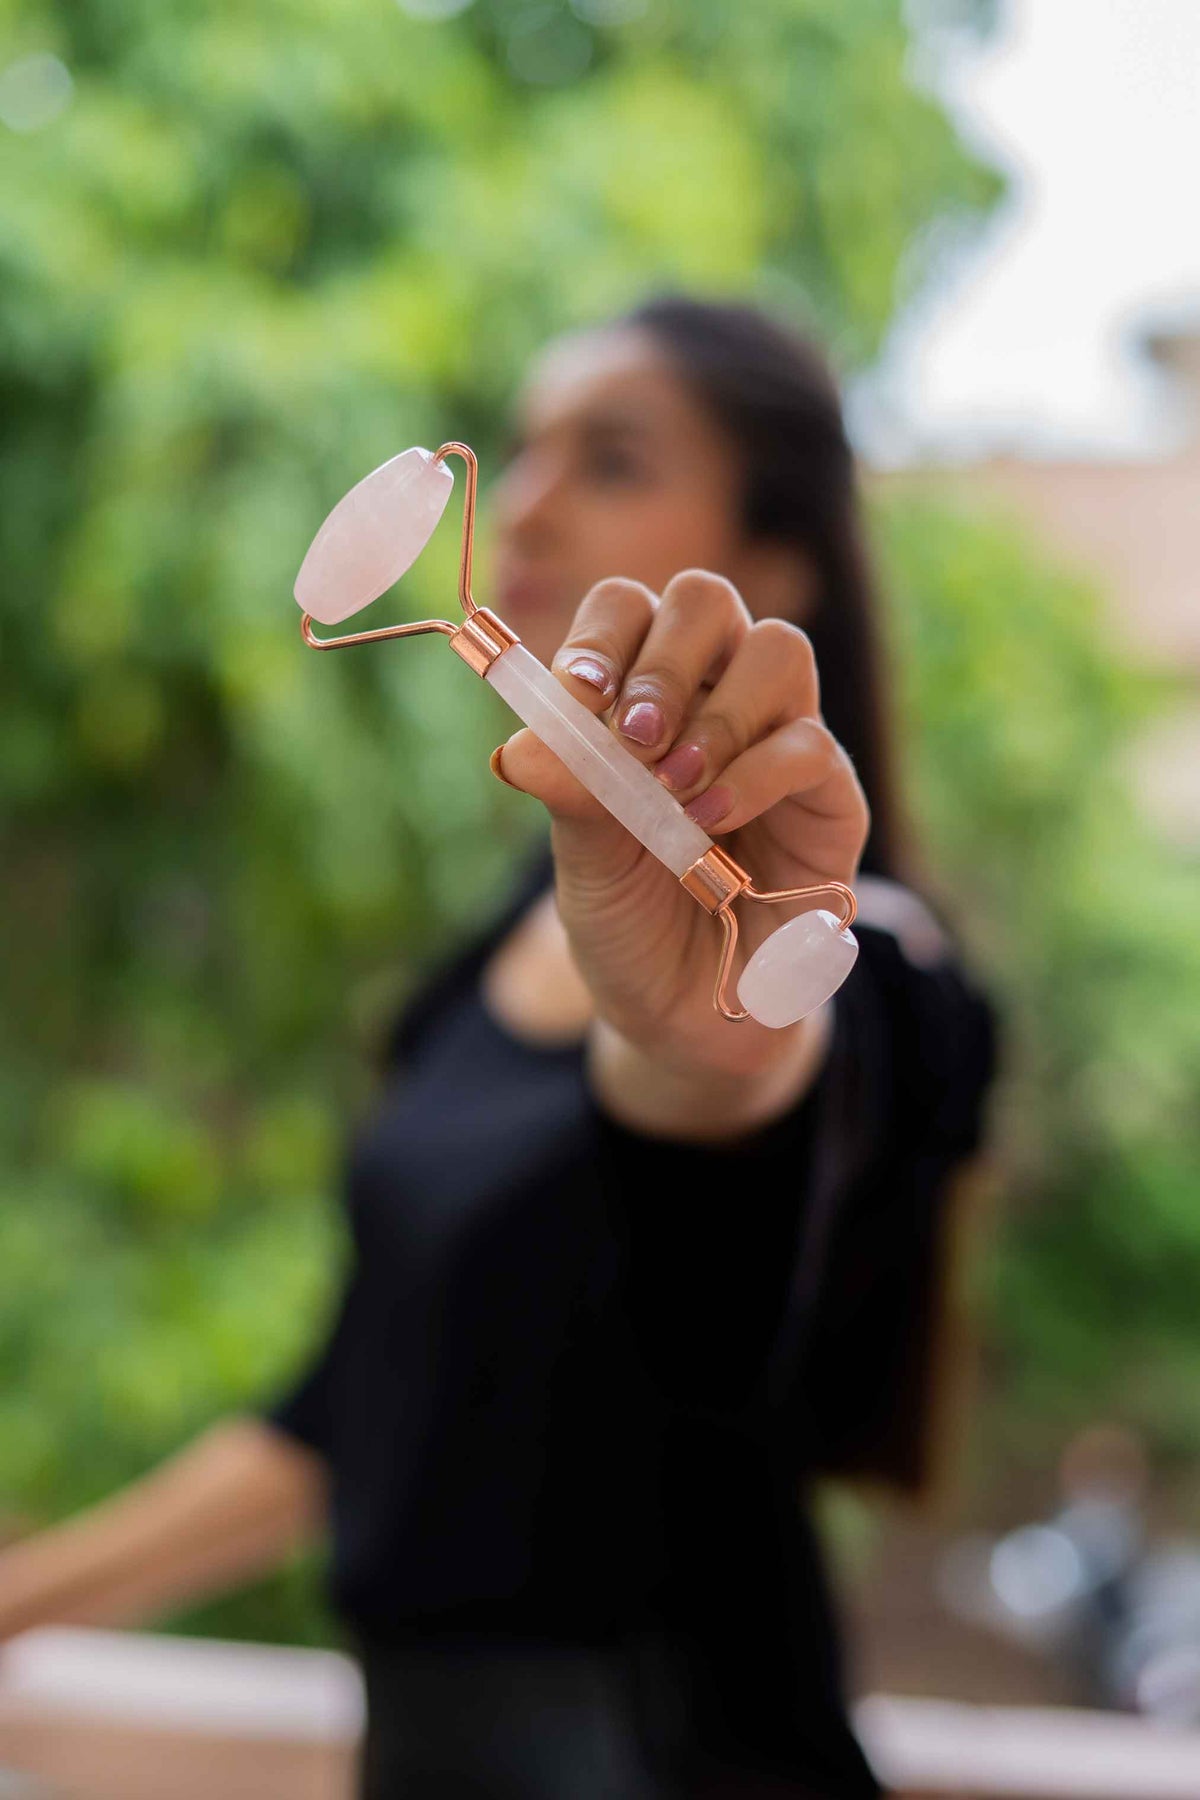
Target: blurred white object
x=932 y=1747
x=154 y=1686
x=256 y=1690
x=1037 y=1572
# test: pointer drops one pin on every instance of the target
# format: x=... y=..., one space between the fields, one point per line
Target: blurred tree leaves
x=1085 y=920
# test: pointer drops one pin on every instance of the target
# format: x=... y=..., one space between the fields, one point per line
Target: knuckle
x=703 y=587
x=613 y=613
x=815 y=749
x=724 y=736
x=784 y=638
x=824 y=744
x=814 y=734
x=621 y=591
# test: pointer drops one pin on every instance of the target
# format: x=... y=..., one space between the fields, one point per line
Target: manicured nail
x=643 y=722
x=588 y=669
x=495 y=760
x=681 y=766
x=711 y=805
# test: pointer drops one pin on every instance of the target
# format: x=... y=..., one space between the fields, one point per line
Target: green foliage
x=1085 y=921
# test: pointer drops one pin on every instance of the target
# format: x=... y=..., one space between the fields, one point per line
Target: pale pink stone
x=797 y=967
x=593 y=752
x=374 y=533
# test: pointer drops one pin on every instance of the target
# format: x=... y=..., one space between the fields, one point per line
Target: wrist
x=694 y=1101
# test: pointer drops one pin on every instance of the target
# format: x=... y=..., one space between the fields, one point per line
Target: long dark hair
x=770 y=388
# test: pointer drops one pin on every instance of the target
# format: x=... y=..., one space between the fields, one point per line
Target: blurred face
x=616 y=470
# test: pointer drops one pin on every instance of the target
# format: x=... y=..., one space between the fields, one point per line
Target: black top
x=579 y=1374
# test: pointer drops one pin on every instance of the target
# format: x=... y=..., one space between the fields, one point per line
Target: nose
x=528 y=501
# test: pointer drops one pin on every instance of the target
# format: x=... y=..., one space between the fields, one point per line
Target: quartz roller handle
x=587 y=746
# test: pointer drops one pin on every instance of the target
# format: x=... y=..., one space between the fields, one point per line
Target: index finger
x=609 y=627
x=693 y=633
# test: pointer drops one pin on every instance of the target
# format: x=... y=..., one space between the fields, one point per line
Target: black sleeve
x=308 y=1408
x=804 y=1258
x=878 y=1335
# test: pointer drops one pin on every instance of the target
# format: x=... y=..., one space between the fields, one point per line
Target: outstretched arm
x=227 y=1507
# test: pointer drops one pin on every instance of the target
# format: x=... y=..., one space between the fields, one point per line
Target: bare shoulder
x=891 y=906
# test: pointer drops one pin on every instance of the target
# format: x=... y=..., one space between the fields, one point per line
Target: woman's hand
x=730 y=707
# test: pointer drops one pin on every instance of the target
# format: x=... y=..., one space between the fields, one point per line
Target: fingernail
x=681 y=766
x=643 y=722
x=588 y=669
x=711 y=805
x=494 y=760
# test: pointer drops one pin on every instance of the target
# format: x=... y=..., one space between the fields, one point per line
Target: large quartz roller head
x=373 y=535
x=796 y=968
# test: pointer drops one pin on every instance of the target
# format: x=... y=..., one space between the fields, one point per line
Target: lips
x=524 y=590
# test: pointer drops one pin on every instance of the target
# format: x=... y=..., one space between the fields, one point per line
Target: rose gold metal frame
x=464 y=576
x=715 y=879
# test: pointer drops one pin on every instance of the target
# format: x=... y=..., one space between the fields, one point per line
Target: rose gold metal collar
x=716 y=880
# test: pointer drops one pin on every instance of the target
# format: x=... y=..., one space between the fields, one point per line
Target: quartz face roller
x=372 y=536
x=589 y=749
x=374 y=533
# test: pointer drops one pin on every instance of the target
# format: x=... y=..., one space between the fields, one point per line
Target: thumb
x=585 y=829
x=590 y=847
x=525 y=763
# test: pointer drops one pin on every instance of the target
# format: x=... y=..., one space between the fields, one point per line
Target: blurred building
x=1134 y=526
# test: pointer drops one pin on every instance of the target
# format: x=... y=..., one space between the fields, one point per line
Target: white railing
x=108 y=1715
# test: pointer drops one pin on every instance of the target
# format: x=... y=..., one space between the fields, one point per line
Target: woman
x=626 y=1275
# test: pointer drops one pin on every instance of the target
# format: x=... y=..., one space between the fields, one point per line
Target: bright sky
x=1093 y=106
